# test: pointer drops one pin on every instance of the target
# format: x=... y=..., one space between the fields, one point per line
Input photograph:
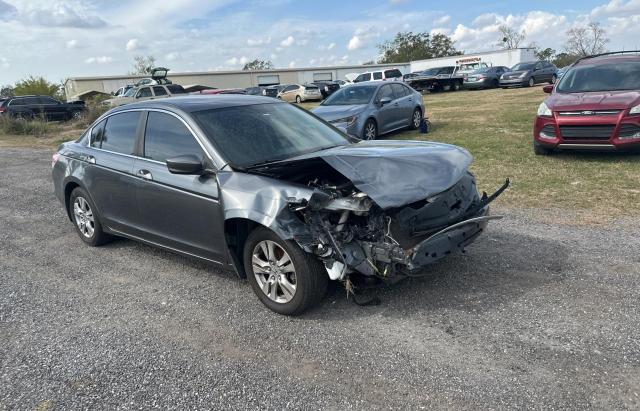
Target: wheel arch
x=236 y=231
x=68 y=189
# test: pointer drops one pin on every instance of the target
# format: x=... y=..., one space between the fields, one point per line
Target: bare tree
x=586 y=40
x=511 y=38
x=143 y=65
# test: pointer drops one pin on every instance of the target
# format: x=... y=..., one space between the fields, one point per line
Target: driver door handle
x=145 y=174
x=91 y=159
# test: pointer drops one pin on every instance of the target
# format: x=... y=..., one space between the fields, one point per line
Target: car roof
x=193 y=103
x=607 y=58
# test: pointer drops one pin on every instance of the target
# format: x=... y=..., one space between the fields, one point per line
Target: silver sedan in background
x=369 y=109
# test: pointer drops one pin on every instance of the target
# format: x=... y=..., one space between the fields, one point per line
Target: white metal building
x=75 y=86
x=506 y=58
x=229 y=79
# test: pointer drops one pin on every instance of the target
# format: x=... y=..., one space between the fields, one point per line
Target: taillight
x=2 y=109
x=54 y=159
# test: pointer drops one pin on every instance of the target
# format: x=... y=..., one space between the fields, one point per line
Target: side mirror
x=548 y=88
x=384 y=101
x=186 y=164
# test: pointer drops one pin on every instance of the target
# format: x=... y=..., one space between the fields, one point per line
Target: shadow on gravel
x=499 y=268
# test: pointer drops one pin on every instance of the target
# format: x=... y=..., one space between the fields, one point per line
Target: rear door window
x=166 y=136
x=377 y=75
x=47 y=101
x=120 y=131
x=144 y=92
x=399 y=90
x=385 y=91
x=159 y=91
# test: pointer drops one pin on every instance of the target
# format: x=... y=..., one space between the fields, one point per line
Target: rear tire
x=416 y=119
x=455 y=86
x=308 y=279
x=298 y=99
x=86 y=218
x=541 y=150
x=495 y=84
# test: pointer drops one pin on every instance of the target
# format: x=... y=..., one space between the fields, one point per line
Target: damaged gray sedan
x=267 y=189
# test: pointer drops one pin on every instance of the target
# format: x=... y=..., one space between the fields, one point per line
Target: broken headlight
x=358 y=203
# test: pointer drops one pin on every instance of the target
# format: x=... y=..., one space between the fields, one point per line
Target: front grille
x=591 y=133
x=629 y=131
x=589 y=113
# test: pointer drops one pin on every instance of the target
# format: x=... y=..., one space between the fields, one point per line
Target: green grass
x=496 y=126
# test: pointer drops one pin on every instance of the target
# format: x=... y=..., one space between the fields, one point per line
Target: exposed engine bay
x=377 y=221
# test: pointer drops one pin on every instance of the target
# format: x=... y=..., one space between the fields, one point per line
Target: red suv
x=595 y=105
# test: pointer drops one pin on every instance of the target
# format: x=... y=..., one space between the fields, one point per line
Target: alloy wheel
x=416 y=119
x=274 y=271
x=370 y=131
x=83 y=216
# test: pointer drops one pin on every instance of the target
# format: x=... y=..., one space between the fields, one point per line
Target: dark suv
x=30 y=107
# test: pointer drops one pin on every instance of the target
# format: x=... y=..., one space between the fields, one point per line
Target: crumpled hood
x=397 y=173
x=330 y=113
x=601 y=100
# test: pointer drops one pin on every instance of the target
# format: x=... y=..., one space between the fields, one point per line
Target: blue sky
x=61 y=39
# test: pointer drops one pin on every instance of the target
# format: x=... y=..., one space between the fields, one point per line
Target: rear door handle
x=91 y=159
x=146 y=174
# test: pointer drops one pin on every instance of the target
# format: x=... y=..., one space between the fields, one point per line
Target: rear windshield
x=624 y=75
x=523 y=66
x=351 y=95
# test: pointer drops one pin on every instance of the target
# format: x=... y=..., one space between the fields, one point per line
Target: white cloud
x=441 y=21
x=132 y=45
x=361 y=38
x=72 y=44
x=292 y=64
x=288 y=41
x=617 y=8
x=60 y=14
x=99 y=60
x=258 y=42
x=4 y=63
x=234 y=61
x=173 y=56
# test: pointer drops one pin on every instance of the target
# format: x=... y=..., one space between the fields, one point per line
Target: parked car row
x=454 y=78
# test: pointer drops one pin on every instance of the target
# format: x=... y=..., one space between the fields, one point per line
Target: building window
x=269 y=80
x=322 y=77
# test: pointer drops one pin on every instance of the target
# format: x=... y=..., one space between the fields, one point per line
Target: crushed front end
x=350 y=232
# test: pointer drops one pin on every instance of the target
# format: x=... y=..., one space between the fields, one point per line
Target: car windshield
x=261 y=133
x=621 y=75
x=351 y=95
x=130 y=92
x=523 y=66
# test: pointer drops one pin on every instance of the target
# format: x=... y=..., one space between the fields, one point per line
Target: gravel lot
x=533 y=316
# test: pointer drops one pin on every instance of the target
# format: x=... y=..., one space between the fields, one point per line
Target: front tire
x=454 y=87
x=532 y=82
x=298 y=99
x=286 y=279
x=370 y=131
x=540 y=150
x=554 y=78
x=86 y=218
